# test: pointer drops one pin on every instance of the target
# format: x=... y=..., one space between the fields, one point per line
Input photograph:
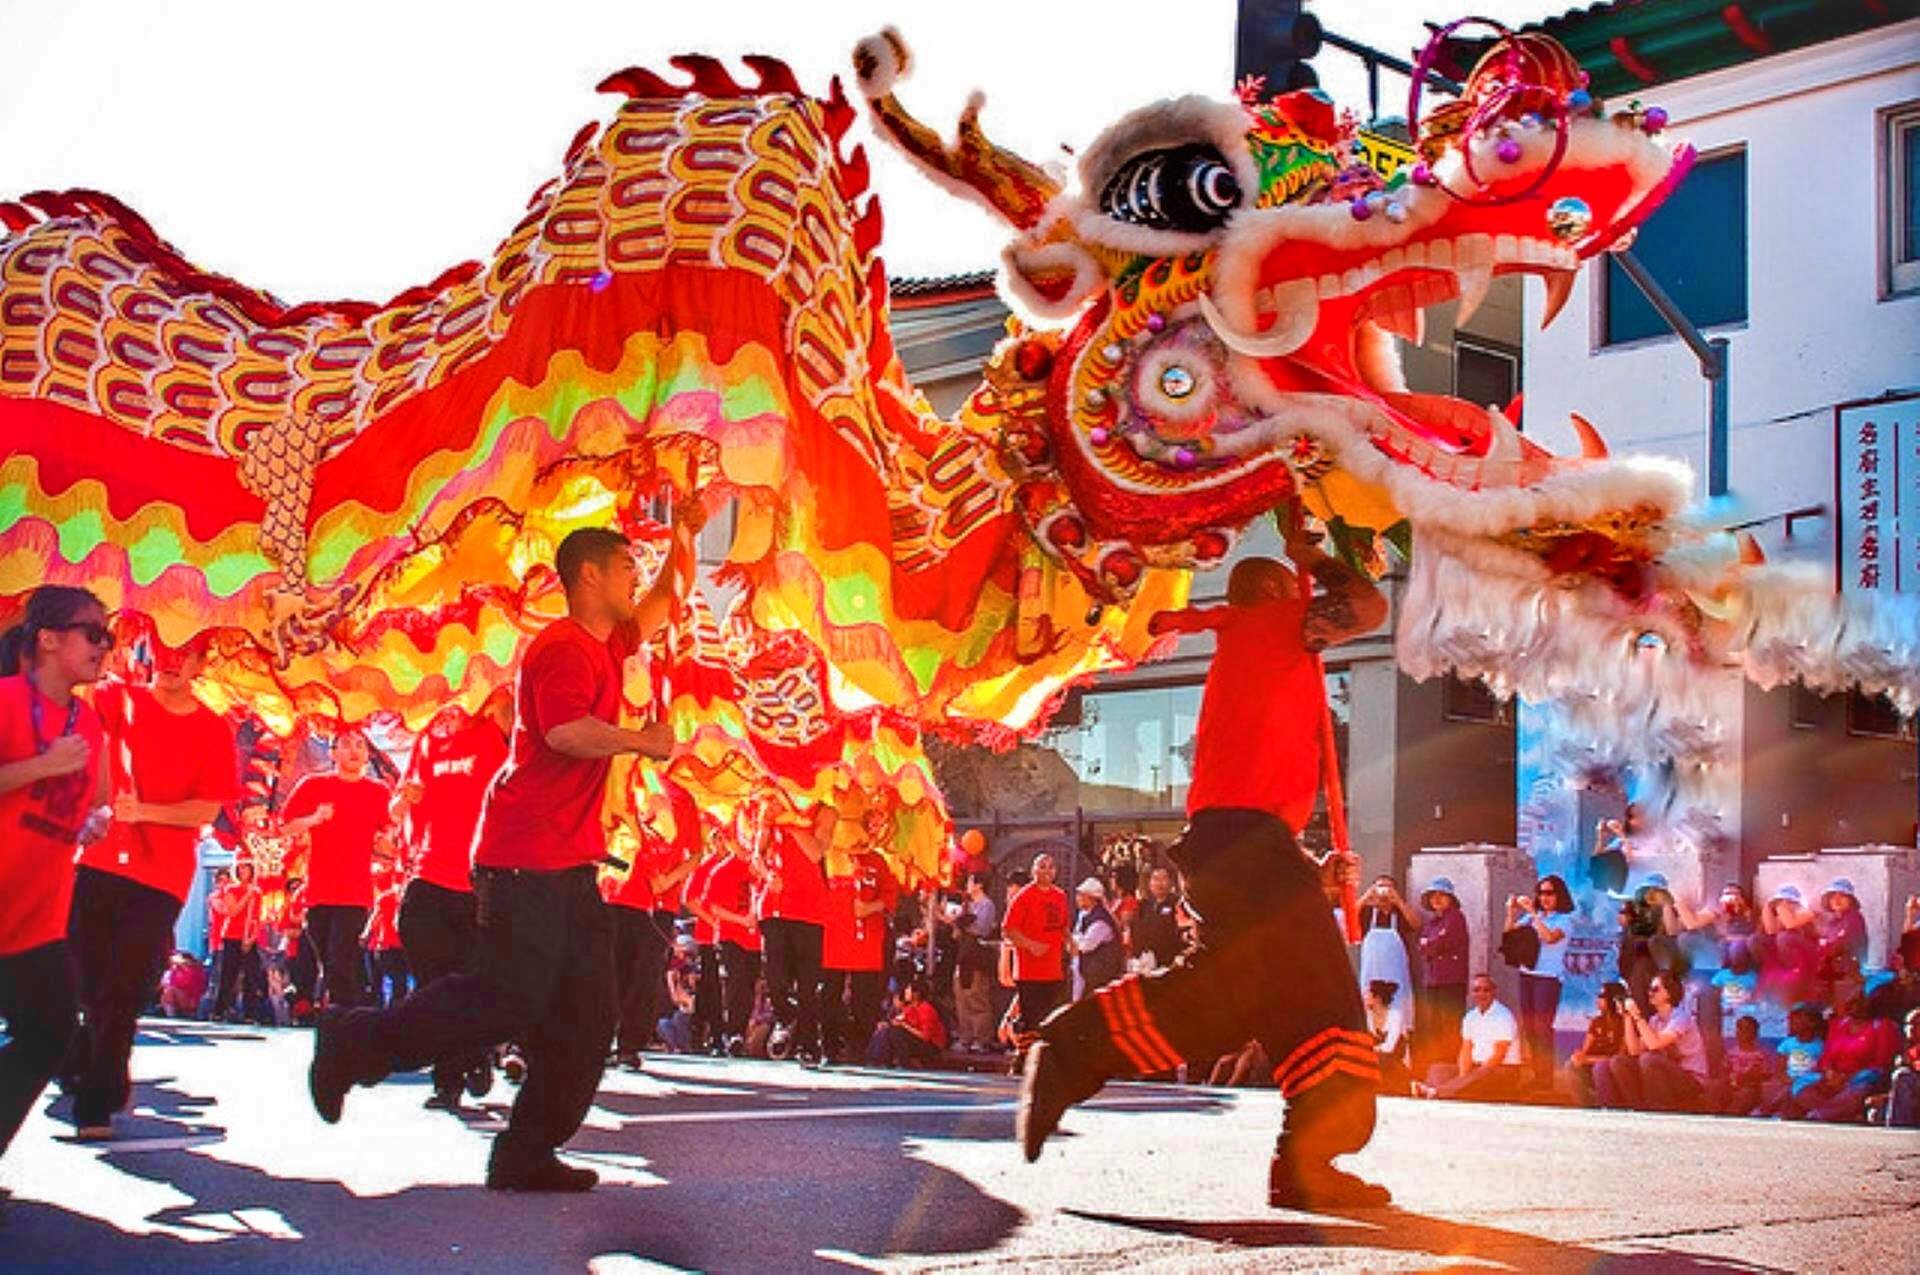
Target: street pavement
x=739 y=1165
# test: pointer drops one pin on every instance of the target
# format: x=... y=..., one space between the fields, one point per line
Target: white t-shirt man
x=1482 y=1031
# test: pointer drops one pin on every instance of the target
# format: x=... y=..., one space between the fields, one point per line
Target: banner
x=1877 y=495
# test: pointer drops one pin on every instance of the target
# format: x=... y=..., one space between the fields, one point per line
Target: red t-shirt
x=685 y=845
x=1039 y=912
x=730 y=886
x=453 y=771
x=924 y=1021
x=1258 y=742
x=40 y=822
x=695 y=896
x=543 y=810
x=176 y=757
x=796 y=890
x=851 y=942
x=635 y=890
x=340 y=860
x=236 y=910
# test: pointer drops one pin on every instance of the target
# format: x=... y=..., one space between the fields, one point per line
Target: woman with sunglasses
x=1550 y=913
x=50 y=750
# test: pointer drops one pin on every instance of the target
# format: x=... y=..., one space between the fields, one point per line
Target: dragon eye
x=1187 y=188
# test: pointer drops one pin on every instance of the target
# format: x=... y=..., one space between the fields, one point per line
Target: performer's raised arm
x=1348 y=604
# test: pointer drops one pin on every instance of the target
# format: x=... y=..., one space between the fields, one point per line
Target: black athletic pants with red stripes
x=1269 y=965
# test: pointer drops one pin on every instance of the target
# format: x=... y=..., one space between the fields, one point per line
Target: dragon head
x=1231 y=276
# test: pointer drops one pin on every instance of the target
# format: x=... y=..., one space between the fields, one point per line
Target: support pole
x=1712 y=357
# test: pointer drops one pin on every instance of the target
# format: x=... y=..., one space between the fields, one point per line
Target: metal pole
x=1373 y=88
x=1712 y=356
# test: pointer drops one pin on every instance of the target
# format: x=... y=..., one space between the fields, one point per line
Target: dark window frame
x=1608 y=273
x=1899 y=261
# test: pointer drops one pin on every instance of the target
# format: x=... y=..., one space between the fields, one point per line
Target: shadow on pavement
x=1401 y=1231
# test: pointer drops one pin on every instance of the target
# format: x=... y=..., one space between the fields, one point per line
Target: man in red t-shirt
x=853 y=956
x=543 y=969
x=340 y=812
x=440 y=799
x=172 y=766
x=1037 y=922
x=726 y=900
x=790 y=902
x=1270 y=964
x=234 y=927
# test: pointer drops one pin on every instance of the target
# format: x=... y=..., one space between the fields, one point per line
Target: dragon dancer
x=1257 y=896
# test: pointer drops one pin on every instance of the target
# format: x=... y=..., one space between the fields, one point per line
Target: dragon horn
x=1017 y=189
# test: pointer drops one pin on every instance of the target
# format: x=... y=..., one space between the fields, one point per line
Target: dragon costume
x=357 y=503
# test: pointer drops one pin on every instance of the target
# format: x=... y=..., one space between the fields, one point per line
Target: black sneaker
x=480 y=1081
x=331 y=1073
x=544 y=1175
x=443 y=1100
x=514 y=1067
x=780 y=1044
x=1311 y=1187
x=736 y=1047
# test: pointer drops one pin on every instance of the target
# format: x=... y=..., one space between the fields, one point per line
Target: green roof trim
x=1622 y=43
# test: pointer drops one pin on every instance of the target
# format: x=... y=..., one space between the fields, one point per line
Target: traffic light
x=1274 y=39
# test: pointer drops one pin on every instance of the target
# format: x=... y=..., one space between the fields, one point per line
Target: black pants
x=739 y=975
x=38 y=1002
x=239 y=972
x=542 y=976
x=335 y=932
x=709 y=1014
x=642 y=943
x=1268 y=965
x=849 y=1009
x=792 y=953
x=437 y=931
x=119 y=933
x=898 y=1047
x=1039 y=999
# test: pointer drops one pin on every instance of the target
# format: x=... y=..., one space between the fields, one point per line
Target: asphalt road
x=749 y=1166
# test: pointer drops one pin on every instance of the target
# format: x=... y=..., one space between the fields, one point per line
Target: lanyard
x=40 y=743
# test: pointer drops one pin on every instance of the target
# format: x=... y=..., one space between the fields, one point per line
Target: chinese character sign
x=1877 y=486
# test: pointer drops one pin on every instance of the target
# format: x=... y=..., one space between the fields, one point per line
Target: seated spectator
x=1387 y=1019
x=683 y=984
x=1789 y=954
x=1854 y=1066
x=1606 y=1031
x=915 y=1036
x=1750 y=1068
x=1901 y=1107
x=1662 y=1065
x=1489 y=1064
x=1806 y=1040
x=182 y=986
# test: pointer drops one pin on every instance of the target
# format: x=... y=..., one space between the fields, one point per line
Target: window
x=1875 y=716
x=1484 y=375
x=1695 y=246
x=1900 y=243
x=1471 y=700
x=1805 y=706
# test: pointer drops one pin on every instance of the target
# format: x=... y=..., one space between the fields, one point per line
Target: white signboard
x=1877 y=495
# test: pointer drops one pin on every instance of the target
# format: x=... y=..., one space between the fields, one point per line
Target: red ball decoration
x=1033 y=360
x=1122 y=567
x=1209 y=546
x=1067 y=532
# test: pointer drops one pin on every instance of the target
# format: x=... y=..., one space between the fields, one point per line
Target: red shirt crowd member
x=452 y=766
x=234 y=922
x=727 y=900
x=709 y=1022
x=172 y=766
x=447 y=780
x=854 y=954
x=543 y=965
x=643 y=942
x=791 y=902
x=386 y=960
x=1037 y=922
x=1270 y=964
x=341 y=813
x=50 y=752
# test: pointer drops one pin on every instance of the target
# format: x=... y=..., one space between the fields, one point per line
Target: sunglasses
x=94 y=631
